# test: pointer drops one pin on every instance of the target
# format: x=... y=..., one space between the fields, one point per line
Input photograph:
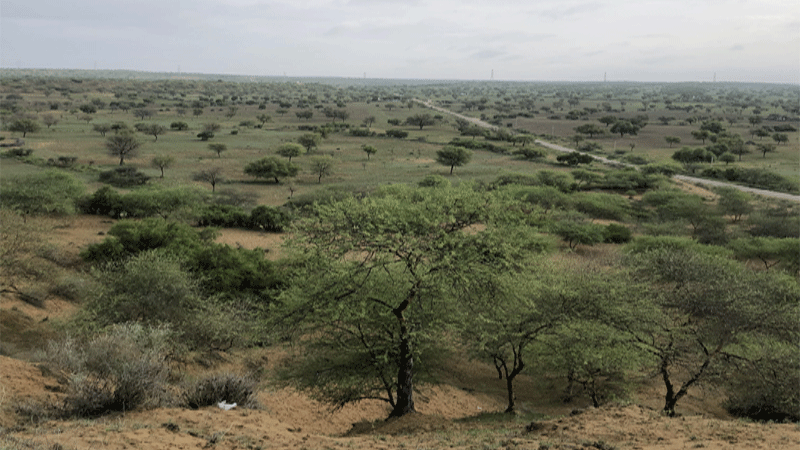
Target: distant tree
x=307 y=114
x=88 y=109
x=624 y=127
x=755 y=120
x=577 y=139
x=712 y=126
x=420 y=120
x=179 y=126
x=212 y=176
x=232 y=110
x=310 y=140
x=453 y=156
x=154 y=130
x=727 y=158
x=390 y=106
x=761 y=132
x=398 y=134
x=290 y=150
x=574 y=158
x=531 y=154
x=472 y=130
x=281 y=111
x=197 y=111
x=205 y=135
x=369 y=150
x=590 y=129
x=765 y=148
x=264 y=118
x=102 y=128
x=607 y=120
x=322 y=166
x=523 y=139
x=781 y=138
x=123 y=145
x=162 y=162
x=672 y=140
x=49 y=120
x=734 y=202
x=143 y=113
x=575 y=232
x=218 y=149
x=368 y=121
x=701 y=135
x=86 y=118
x=770 y=251
x=272 y=167
x=212 y=127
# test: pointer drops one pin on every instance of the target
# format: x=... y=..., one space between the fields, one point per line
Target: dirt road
x=703 y=181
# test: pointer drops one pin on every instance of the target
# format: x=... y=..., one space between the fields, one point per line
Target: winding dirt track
x=481 y=123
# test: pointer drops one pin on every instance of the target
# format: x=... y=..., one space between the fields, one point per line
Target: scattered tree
x=162 y=162
x=672 y=140
x=24 y=126
x=420 y=120
x=453 y=156
x=212 y=176
x=218 y=149
x=322 y=166
x=290 y=150
x=369 y=150
x=272 y=167
x=123 y=145
x=310 y=140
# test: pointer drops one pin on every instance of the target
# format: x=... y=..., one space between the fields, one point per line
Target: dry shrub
x=216 y=388
x=123 y=369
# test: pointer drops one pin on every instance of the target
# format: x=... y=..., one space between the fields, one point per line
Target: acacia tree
x=162 y=162
x=309 y=140
x=290 y=150
x=218 y=149
x=322 y=166
x=211 y=176
x=24 y=126
x=421 y=120
x=123 y=145
x=453 y=156
x=706 y=313
x=271 y=167
x=375 y=295
x=369 y=150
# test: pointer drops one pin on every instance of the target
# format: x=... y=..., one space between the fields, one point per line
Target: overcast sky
x=536 y=40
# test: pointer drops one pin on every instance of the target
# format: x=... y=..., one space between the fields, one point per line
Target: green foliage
x=141 y=203
x=47 y=192
x=205 y=135
x=228 y=216
x=310 y=140
x=758 y=178
x=122 y=145
x=377 y=291
x=420 y=120
x=562 y=181
x=124 y=177
x=453 y=156
x=397 y=134
x=617 y=234
x=24 y=126
x=782 y=221
x=290 y=150
x=769 y=250
x=575 y=232
x=272 y=167
x=434 y=181
x=530 y=153
x=731 y=311
x=268 y=218
x=127 y=238
x=546 y=197
x=600 y=205
x=574 y=158
x=477 y=145
x=644 y=244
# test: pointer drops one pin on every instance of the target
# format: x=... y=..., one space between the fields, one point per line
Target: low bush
x=757 y=178
x=123 y=369
x=124 y=177
x=616 y=234
x=227 y=387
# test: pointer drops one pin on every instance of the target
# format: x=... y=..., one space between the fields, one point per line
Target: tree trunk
x=511 y=397
x=405 y=371
x=405 y=378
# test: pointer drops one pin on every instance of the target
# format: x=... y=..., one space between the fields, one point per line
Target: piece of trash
x=226 y=406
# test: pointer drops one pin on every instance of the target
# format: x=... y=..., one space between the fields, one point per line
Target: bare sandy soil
x=461 y=413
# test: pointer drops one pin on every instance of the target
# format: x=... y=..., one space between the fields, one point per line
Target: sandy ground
x=462 y=413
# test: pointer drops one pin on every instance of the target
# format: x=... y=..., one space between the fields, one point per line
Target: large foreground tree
x=376 y=281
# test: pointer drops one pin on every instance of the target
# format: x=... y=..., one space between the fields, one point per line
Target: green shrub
x=124 y=177
x=616 y=234
x=434 y=181
x=51 y=191
x=269 y=218
x=223 y=216
x=599 y=205
x=398 y=134
x=362 y=132
x=216 y=388
x=757 y=178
